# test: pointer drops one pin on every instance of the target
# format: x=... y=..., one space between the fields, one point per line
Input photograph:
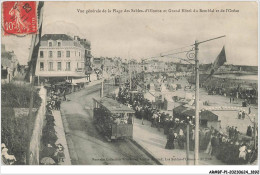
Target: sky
x=143 y=35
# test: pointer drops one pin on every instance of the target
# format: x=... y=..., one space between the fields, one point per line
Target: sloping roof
x=208 y=115
x=204 y=115
x=180 y=109
x=62 y=37
x=113 y=106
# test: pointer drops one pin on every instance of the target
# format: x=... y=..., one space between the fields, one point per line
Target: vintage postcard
x=129 y=83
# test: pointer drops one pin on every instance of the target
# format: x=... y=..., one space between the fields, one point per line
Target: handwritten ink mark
x=27 y=8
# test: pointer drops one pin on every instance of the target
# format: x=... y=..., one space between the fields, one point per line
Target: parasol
x=47 y=161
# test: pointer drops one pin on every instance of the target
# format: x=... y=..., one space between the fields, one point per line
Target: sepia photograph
x=129 y=83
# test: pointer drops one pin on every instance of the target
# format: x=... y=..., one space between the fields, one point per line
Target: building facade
x=9 y=63
x=62 y=57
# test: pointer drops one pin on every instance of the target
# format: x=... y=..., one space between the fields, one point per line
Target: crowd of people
x=235 y=89
x=233 y=132
x=145 y=110
x=227 y=147
x=231 y=149
x=51 y=153
x=56 y=96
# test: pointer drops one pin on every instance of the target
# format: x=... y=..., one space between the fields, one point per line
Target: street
x=89 y=147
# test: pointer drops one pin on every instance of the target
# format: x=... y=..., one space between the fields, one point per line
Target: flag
x=220 y=60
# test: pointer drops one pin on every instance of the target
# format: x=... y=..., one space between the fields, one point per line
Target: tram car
x=113 y=119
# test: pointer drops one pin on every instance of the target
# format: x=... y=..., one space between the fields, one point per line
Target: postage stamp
x=19 y=18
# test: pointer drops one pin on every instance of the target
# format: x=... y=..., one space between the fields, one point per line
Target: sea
x=241 y=77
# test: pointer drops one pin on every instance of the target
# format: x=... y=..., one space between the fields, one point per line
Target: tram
x=113 y=119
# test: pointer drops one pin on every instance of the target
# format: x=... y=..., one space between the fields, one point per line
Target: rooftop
x=113 y=106
x=62 y=37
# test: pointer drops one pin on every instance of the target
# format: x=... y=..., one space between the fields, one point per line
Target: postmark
x=19 y=17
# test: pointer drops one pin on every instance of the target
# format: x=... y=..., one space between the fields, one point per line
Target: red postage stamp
x=19 y=17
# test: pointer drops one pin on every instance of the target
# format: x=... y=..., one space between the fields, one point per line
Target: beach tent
x=163 y=88
x=207 y=118
x=168 y=103
x=152 y=87
x=173 y=87
x=178 y=111
x=149 y=96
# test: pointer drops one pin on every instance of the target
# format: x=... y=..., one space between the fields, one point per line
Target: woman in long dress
x=209 y=147
x=170 y=139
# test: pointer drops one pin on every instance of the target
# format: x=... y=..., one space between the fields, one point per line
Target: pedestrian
x=214 y=145
x=58 y=105
x=64 y=95
x=60 y=153
x=242 y=153
x=249 y=131
x=159 y=122
x=236 y=132
x=239 y=115
x=230 y=99
x=181 y=139
x=232 y=129
x=209 y=147
x=243 y=115
x=142 y=115
x=170 y=139
x=249 y=110
x=154 y=118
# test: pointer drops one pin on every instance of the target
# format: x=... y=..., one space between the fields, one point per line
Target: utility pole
x=197 y=120
x=188 y=144
x=29 y=127
x=102 y=87
x=255 y=130
x=35 y=44
x=130 y=78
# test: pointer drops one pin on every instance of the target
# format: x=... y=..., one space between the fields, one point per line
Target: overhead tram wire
x=177 y=48
x=163 y=55
x=169 y=54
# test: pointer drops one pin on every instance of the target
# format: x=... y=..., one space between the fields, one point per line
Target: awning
x=79 y=80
